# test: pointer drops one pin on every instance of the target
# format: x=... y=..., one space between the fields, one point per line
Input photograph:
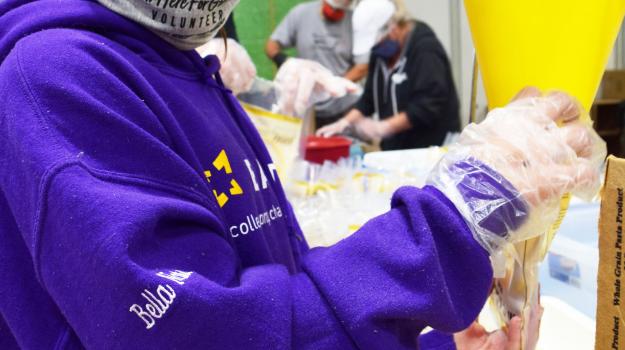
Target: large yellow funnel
x=551 y=44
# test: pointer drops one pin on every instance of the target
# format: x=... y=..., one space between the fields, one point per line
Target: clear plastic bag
x=301 y=83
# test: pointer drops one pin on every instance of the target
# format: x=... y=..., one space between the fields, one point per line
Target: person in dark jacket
x=410 y=88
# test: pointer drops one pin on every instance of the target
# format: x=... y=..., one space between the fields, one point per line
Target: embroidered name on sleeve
x=158 y=302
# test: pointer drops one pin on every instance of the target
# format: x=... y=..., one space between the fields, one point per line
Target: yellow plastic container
x=551 y=44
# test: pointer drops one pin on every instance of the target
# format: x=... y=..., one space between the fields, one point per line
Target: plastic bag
x=301 y=83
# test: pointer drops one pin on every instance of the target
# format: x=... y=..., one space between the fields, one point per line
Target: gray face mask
x=186 y=24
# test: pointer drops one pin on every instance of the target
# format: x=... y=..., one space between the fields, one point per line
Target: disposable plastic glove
x=237 y=69
x=301 y=83
x=338 y=127
x=368 y=129
x=507 y=175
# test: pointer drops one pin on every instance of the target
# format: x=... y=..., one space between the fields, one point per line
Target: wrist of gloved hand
x=491 y=206
x=338 y=127
x=508 y=174
x=372 y=130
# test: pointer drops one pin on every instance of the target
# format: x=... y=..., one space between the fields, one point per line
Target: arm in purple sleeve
x=137 y=260
x=115 y=245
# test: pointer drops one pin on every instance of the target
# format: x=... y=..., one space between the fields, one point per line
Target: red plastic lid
x=317 y=142
x=321 y=149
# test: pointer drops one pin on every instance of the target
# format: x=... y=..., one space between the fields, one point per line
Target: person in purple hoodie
x=139 y=208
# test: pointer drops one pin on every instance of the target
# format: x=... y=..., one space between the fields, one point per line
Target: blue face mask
x=387 y=49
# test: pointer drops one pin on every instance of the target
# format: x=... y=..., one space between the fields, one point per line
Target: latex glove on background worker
x=237 y=69
x=365 y=128
x=302 y=83
x=507 y=175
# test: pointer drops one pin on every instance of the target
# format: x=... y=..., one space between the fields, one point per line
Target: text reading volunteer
x=410 y=88
x=140 y=209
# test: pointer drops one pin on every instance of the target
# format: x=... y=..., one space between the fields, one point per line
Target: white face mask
x=186 y=24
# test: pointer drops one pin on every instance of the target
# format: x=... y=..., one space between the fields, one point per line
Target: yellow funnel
x=551 y=44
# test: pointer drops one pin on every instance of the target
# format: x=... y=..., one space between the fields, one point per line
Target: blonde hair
x=401 y=16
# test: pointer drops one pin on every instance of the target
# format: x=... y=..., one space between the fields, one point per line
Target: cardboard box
x=610 y=332
x=613 y=85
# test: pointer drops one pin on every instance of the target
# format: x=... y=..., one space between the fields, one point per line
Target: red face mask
x=332 y=14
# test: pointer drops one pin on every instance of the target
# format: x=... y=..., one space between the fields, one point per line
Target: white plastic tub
x=564 y=327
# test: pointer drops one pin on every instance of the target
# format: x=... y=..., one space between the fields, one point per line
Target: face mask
x=387 y=49
x=186 y=24
x=332 y=13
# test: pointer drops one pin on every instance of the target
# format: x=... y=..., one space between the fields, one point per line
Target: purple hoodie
x=140 y=209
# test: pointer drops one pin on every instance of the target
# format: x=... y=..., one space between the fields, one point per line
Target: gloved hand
x=368 y=129
x=237 y=69
x=302 y=83
x=507 y=175
x=338 y=127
